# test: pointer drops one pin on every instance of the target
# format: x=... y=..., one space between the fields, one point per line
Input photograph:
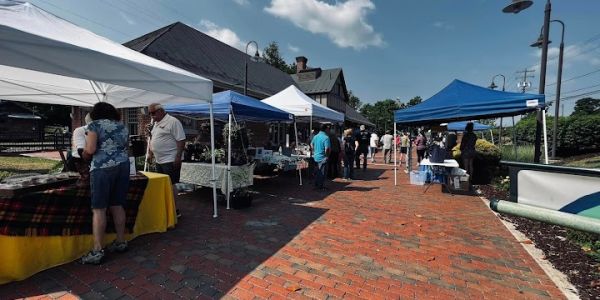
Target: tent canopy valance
x=46 y=59
x=464 y=101
x=293 y=101
x=244 y=108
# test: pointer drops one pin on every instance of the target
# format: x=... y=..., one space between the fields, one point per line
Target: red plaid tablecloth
x=62 y=211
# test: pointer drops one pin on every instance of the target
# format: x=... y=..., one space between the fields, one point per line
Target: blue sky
x=388 y=49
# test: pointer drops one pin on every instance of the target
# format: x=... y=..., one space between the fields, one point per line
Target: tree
x=586 y=106
x=272 y=57
x=412 y=102
x=353 y=101
x=381 y=113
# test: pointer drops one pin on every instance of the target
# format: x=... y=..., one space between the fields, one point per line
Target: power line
x=85 y=18
x=577 y=77
x=576 y=90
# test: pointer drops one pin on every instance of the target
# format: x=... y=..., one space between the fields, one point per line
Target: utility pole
x=524 y=84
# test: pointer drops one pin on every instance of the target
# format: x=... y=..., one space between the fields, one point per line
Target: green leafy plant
x=484 y=149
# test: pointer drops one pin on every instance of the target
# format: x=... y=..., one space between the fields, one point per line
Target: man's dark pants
x=364 y=151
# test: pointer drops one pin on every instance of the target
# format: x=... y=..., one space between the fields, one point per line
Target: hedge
x=576 y=134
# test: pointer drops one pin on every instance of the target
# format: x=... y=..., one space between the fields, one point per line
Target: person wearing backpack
x=350 y=146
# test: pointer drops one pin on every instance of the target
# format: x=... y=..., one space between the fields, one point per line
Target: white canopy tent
x=293 y=101
x=46 y=59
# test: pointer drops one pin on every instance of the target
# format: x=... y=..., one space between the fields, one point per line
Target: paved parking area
x=367 y=239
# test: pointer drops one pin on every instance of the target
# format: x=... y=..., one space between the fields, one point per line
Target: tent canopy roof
x=293 y=101
x=46 y=59
x=464 y=101
x=244 y=108
x=356 y=117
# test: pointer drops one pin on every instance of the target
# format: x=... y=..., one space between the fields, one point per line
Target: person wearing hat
x=364 y=138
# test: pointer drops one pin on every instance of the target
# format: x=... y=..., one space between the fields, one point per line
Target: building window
x=132 y=120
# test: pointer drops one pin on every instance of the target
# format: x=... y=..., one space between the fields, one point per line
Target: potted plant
x=240 y=139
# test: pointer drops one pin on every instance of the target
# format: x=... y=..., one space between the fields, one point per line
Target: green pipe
x=545 y=215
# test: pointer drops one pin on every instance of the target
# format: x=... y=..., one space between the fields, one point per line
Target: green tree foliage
x=354 y=101
x=586 y=106
x=412 y=102
x=272 y=57
x=381 y=113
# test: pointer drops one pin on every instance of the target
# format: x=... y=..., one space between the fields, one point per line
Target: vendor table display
x=284 y=163
x=44 y=229
x=200 y=174
x=440 y=169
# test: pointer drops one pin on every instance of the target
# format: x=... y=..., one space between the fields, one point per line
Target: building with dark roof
x=187 y=48
x=327 y=87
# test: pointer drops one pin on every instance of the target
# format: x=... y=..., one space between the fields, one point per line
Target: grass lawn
x=11 y=165
x=589 y=161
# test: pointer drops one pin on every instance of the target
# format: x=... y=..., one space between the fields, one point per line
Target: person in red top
x=420 y=143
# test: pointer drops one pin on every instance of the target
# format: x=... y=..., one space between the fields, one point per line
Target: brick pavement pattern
x=361 y=240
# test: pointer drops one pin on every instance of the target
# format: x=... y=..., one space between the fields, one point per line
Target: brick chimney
x=300 y=63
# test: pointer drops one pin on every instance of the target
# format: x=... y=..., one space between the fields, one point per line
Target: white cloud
x=343 y=23
x=222 y=34
x=127 y=19
x=242 y=2
x=293 y=48
x=443 y=25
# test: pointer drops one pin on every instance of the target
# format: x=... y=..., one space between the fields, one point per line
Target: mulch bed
x=566 y=256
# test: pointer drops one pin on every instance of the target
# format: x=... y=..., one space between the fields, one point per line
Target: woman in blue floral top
x=107 y=145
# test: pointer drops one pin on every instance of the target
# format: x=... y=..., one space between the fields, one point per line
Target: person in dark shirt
x=363 y=137
x=334 y=156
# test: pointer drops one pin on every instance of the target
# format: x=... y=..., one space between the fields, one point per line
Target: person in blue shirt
x=321 y=147
x=107 y=142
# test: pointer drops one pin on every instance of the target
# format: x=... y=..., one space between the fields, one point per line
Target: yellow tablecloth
x=23 y=256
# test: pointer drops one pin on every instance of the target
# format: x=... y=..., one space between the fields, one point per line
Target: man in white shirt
x=166 y=143
x=386 y=140
x=77 y=145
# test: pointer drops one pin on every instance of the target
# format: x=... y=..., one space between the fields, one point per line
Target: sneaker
x=93 y=257
x=178 y=213
x=119 y=247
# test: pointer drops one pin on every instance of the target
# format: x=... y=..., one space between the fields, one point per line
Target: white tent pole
x=229 y=159
x=296 y=134
x=492 y=135
x=514 y=136
x=212 y=151
x=395 y=158
x=545 y=137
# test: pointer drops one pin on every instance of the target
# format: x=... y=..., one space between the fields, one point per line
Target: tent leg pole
x=500 y=136
x=296 y=135
x=229 y=160
x=395 y=157
x=545 y=136
x=492 y=135
x=514 y=136
x=212 y=151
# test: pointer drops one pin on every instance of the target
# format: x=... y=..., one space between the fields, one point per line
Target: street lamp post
x=538 y=43
x=256 y=55
x=493 y=86
x=515 y=7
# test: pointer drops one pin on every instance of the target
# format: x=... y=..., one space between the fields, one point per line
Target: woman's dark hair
x=469 y=127
x=103 y=110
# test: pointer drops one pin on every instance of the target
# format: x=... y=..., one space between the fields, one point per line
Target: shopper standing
x=363 y=137
x=322 y=147
x=421 y=144
x=386 y=140
x=350 y=146
x=107 y=147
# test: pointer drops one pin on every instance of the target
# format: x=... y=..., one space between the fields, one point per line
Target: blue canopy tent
x=460 y=101
x=228 y=105
x=244 y=108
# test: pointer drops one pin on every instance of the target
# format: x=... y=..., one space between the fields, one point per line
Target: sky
x=387 y=49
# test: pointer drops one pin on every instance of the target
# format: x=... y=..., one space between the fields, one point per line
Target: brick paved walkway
x=367 y=239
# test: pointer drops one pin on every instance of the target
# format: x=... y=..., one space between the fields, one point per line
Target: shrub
x=485 y=150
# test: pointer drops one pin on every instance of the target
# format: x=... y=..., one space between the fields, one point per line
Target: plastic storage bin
x=418 y=177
